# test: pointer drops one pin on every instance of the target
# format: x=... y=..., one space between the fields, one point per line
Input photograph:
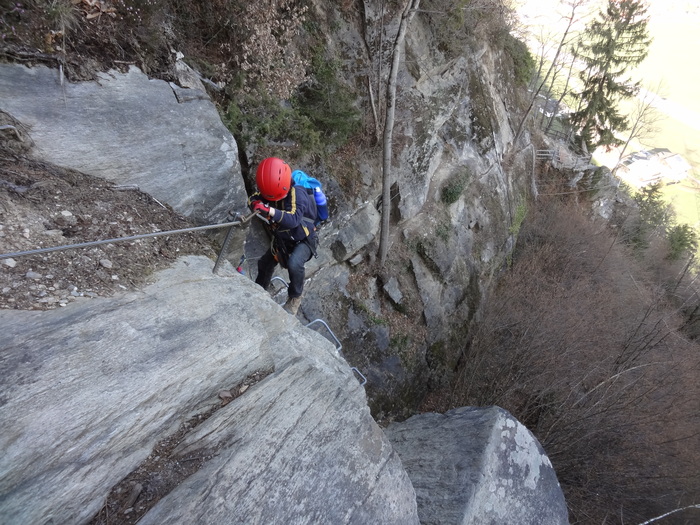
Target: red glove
x=262 y=209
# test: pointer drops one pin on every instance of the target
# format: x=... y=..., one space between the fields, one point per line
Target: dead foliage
x=587 y=348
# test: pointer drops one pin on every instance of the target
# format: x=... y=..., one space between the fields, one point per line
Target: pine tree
x=617 y=40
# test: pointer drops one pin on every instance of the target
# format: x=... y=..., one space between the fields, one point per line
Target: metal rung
x=364 y=379
x=278 y=278
x=339 y=347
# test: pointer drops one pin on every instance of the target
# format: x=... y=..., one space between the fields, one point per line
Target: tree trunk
x=408 y=12
x=566 y=87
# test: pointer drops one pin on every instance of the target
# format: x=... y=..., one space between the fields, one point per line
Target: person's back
x=298 y=211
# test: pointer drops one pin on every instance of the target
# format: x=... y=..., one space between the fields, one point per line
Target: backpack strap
x=310 y=222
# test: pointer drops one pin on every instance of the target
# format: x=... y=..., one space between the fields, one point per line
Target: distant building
x=651 y=166
x=550 y=107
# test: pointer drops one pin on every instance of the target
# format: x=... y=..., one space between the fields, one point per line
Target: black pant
x=298 y=256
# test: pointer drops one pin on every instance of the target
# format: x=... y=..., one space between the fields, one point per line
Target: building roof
x=655 y=165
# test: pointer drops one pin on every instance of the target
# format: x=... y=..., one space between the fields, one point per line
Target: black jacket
x=296 y=222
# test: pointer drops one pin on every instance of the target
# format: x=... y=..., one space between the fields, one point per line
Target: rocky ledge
x=90 y=390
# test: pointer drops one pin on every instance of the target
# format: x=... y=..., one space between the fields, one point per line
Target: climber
x=290 y=215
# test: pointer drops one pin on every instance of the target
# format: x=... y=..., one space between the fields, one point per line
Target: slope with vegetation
x=588 y=339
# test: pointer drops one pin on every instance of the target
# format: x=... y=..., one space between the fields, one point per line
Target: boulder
x=356 y=232
x=129 y=129
x=89 y=389
x=478 y=465
x=393 y=290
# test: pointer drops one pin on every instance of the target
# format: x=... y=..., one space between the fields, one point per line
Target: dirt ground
x=44 y=206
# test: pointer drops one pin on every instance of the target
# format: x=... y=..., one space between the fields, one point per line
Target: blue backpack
x=313 y=188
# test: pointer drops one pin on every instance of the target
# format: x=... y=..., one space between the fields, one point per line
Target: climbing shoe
x=292 y=305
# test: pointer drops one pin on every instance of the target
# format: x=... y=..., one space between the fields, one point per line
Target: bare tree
x=643 y=120
x=571 y=19
x=565 y=90
x=375 y=103
x=408 y=12
x=657 y=518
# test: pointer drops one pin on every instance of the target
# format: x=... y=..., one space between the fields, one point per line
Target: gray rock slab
x=393 y=291
x=89 y=389
x=258 y=478
x=358 y=230
x=478 y=466
x=130 y=129
x=431 y=291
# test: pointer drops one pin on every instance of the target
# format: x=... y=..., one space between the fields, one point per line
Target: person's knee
x=296 y=264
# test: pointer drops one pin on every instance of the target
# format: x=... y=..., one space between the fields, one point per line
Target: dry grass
x=583 y=344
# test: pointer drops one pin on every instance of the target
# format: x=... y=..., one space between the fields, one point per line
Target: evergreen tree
x=615 y=41
x=682 y=240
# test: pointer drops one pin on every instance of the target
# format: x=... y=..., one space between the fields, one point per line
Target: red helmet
x=274 y=178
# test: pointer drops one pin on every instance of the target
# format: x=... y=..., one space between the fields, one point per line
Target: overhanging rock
x=130 y=129
x=478 y=466
x=89 y=389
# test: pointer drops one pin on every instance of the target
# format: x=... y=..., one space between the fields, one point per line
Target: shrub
x=327 y=102
x=520 y=213
x=454 y=188
x=656 y=219
x=319 y=115
x=683 y=240
x=523 y=63
x=257 y=119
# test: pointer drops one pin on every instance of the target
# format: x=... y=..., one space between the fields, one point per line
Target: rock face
x=87 y=391
x=451 y=132
x=130 y=129
x=454 y=199
x=478 y=466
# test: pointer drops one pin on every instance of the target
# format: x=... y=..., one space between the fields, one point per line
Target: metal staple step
x=338 y=347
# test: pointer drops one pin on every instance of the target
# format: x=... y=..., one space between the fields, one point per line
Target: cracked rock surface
x=89 y=390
